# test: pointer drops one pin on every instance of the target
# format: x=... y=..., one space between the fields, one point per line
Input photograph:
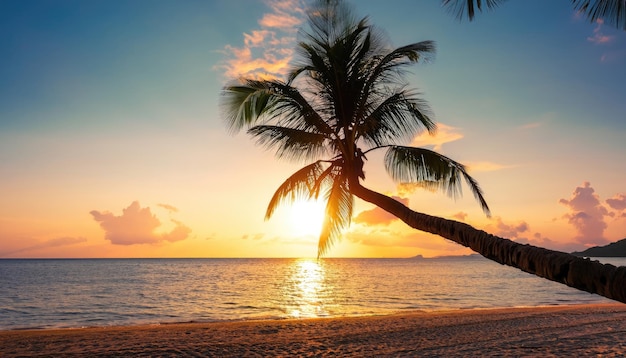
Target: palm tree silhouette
x=613 y=12
x=346 y=97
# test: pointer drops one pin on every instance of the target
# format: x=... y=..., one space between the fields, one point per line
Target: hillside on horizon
x=614 y=249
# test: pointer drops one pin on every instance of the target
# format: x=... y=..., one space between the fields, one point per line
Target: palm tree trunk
x=583 y=274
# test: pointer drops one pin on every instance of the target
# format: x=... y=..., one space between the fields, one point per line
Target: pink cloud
x=378 y=216
x=137 y=225
x=586 y=215
x=280 y=20
x=168 y=207
x=266 y=52
x=617 y=202
x=598 y=36
x=509 y=231
x=258 y=37
x=539 y=240
x=613 y=56
x=520 y=232
x=460 y=216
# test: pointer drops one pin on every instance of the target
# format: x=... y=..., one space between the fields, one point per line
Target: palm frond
x=463 y=8
x=361 y=48
x=329 y=20
x=255 y=101
x=345 y=89
x=431 y=169
x=399 y=117
x=312 y=62
x=243 y=104
x=299 y=185
x=613 y=12
x=338 y=215
x=326 y=177
x=385 y=68
x=294 y=110
x=289 y=142
x=392 y=62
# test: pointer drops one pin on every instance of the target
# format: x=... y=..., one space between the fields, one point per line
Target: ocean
x=72 y=293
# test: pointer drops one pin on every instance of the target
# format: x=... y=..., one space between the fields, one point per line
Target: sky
x=112 y=142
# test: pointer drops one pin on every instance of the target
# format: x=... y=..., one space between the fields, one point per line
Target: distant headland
x=614 y=249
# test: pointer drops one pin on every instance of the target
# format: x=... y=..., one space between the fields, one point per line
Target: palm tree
x=613 y=12
x=346 y=97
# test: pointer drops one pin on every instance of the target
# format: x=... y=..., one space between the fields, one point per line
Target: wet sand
x=557 y=331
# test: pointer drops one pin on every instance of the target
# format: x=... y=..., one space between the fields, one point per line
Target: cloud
x=378 y=216
x=509 y=231
x=137 y=225
x=598 y=36
x=180 y=232
x=532 y=125
x=617 y=202
x=253 y=237
x=56 y=242
x=281 y=20
x=521 y=233
x=613 y=56
x=445 y=134
x=168 y=207
x=586 y=215
x=539 y=240
x=460 y=216
x=266 y=52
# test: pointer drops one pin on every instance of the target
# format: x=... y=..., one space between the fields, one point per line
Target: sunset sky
x=112 y=144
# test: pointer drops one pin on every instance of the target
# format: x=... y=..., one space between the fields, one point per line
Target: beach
x=557 y=331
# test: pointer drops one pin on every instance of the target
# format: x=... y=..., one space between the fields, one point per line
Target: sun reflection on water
x=306 y=286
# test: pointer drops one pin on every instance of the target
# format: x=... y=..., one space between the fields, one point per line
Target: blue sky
x=108 y=103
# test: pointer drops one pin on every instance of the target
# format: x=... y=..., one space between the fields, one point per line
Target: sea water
x=62 y=293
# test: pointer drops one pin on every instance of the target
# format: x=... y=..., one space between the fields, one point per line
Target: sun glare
x=306 y=217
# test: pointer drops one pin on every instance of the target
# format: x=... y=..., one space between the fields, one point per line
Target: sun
x=306 y=217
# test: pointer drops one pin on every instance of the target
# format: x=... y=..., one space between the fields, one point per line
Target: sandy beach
x=557 y=331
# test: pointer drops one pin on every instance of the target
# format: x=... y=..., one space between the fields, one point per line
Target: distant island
x=615 y=249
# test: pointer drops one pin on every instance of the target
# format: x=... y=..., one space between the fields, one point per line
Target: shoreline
x=565 y=330
x=261 y=319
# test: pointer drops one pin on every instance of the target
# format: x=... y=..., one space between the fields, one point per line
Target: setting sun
x=306 y=217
